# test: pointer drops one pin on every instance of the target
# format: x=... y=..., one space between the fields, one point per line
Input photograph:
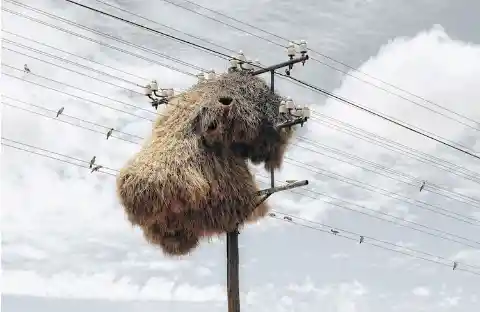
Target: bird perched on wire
x=287 y=218
x=335 y=232
x=92 y=161
x=422 y=186
x=60 y=111
x=362 y=239
x=25 y=67
x=96 y=168
x=455 y=264
x=109 y=133
x=271 y=214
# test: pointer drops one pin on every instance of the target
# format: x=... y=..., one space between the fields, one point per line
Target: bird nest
x=191 y=179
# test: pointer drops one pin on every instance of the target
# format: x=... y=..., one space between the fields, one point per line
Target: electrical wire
x=149 y=60
x=78 y=56
x=140 y=47
x=375 y=244
x=81 y=89
x=65 y=68
x=77 y=97
x=388 y=144
x=325 y=64
x=444 y=235
x=355 y=160
x=375 y=189
x=166 y=26
x=403 y=125
x=349 y=102
x=369 y=240
x=136 y=106
x=67 y=122
x=384 y=192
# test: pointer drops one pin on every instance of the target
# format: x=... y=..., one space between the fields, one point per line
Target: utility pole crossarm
x=277 y=66
x=285 y=187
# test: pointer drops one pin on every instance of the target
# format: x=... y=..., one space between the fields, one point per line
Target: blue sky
x=66 y=243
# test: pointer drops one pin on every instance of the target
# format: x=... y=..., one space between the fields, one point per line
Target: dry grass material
x=191 y=178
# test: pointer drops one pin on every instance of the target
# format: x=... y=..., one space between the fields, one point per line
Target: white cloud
x=104 y=285
x=61 y=219
x=421 y=291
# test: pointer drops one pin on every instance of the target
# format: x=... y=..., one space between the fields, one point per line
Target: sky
x=66 y=243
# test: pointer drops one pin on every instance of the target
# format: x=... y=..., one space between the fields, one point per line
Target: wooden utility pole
x=233 y=280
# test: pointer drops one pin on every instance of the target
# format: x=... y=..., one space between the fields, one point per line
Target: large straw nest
x=191 y=178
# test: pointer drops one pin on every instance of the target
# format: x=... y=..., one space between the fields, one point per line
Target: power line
x=148 y=28
x=397 y=147
x=77 y=97
x=65 y=68
x=140 y=47
x=377 y=136
x=389 y=194
x=384 y=117
x=403 y=125
x=373 y=244
x=72 y=117
x=374 y=189
x=81 y=89
x=371 y=238
x=17 y=44
x=291 y=216
x=431 y=187
x=55 y=153
x=166 y=26
x=325 y=64
x=67 y=122
x=78 y=56
x=406 y=126
x=447 y=236
x=98 y=42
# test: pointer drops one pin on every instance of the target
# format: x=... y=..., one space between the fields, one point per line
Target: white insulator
x=154 y=85
x=233 y=62
x=289 y=103
x=282 y=109
x=170 y=92
x=201 y=77
x=291 y=49
x=147 y=90
x=241 y=57
x=247 y=65
x=297 y=112
x=211 y=74
x=306 y=112
x=302 y=47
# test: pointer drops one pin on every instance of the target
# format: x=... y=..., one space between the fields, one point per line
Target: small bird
x=455 y=264
x=291 y=181
x=335 y=232
x=271 y=214
x=92 y=161
x=362 y=239
x=96 y=168
x=287 y=218
x=60 y=111
x=109 y=133
x=423 y=185
x=25 y=67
